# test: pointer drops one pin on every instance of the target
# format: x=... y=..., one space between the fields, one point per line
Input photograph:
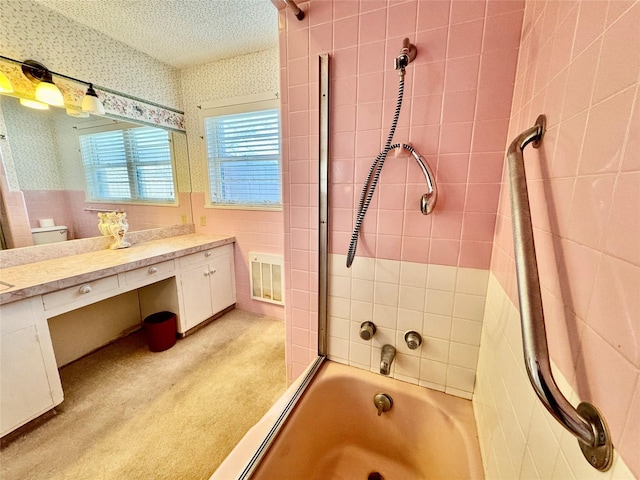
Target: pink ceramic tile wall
x=66 y=207
x=44 y=204
x=455 y=112
x=580 y=65
x=255 y=231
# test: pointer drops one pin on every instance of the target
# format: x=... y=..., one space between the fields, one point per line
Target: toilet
x=52 y=234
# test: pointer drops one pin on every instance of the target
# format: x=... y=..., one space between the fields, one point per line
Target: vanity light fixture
x=5 y=84
x=46 y=91
x=25 y=102
x=91 y=103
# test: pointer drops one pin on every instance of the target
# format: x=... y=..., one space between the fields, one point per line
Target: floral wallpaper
x=234 y=77
x=6 y=155
x=32 y=31
x=32 y=152
x=116 y=104
x=126 y=108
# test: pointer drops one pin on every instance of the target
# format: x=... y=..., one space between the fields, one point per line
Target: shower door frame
x=323 y=205
x=323 y=273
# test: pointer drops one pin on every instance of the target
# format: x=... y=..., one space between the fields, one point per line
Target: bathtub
x=334 y=432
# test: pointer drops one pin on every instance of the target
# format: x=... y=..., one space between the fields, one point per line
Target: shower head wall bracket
x=406 y=56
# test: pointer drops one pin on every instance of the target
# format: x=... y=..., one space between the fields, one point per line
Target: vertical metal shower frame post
x=323 y=205
x=323 y=266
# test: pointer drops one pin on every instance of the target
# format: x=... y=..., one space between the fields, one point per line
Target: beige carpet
x=132 y=414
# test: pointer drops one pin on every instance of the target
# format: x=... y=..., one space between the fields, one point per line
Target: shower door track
x=586 y=422
x=271 y=435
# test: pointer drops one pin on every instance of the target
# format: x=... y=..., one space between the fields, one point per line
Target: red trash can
x=160 y=330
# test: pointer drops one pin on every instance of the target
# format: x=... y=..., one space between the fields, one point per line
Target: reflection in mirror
x=247 y=353
x=48 y=167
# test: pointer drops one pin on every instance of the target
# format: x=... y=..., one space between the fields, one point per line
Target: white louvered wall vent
x=266 y=277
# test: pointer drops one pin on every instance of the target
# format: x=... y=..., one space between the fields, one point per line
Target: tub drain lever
x=383 y=403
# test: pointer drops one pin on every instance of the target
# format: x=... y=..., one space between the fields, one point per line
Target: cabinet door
x=223 y=288
x=24 y=385
x=196 y=293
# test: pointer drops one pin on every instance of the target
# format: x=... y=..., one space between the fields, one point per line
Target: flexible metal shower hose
x=372 y=178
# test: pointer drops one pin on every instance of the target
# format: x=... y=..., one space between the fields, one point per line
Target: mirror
x=31 y=30
x=45 y=149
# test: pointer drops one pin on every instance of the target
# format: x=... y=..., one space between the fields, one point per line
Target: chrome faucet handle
x=413 y=339
x=367 y=330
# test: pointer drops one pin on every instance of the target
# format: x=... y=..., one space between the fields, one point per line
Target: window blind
x=243 y=152
x=129 y=165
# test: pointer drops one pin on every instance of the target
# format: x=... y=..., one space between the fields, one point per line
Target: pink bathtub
x=335 y=433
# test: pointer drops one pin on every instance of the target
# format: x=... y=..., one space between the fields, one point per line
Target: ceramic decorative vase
x=116 y=225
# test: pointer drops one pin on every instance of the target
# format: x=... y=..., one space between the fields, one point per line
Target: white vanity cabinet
x=88 y=300
x=29 y=380
x=207 y=283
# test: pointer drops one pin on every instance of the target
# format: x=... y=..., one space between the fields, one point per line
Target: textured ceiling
x=181 y=33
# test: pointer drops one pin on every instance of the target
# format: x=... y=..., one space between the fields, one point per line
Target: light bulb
x=33 y=104
x=47 y=92
x=91 y=103
x=5 y=84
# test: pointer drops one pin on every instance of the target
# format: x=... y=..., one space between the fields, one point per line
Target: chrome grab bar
x=585 y=423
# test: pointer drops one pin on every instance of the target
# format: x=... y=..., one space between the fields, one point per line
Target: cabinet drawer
x=79 y=292
x=205 y=255
x=146 y=275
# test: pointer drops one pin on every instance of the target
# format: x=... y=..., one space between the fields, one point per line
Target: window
x=130 y=164
x=243 y=154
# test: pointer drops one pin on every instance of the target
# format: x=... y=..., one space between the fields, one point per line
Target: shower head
x=406 y=56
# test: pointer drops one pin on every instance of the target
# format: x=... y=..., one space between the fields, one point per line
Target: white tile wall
x=518 y=438
x=444 y=304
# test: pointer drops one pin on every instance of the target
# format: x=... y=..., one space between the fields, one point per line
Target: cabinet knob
x=207 y=273
x=207 y=254
x=153 y=270
x=85 y=289
x=212 y=271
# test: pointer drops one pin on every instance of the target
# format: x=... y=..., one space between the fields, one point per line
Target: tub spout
x=388 y=354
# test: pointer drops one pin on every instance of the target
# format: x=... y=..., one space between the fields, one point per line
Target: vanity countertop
x=50 y=275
